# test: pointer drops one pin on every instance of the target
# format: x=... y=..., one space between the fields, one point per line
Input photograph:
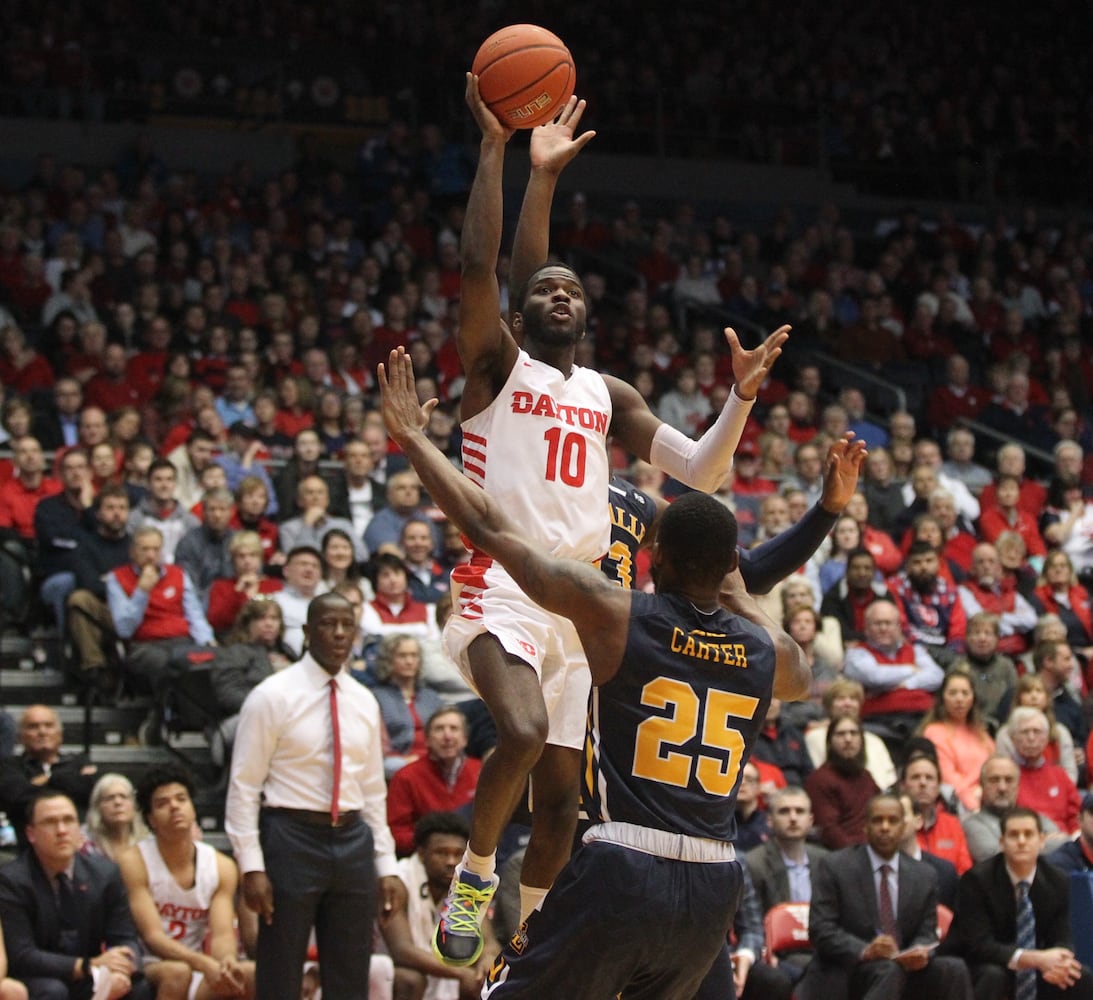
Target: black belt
x=314 y=817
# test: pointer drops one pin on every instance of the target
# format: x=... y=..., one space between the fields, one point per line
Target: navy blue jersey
x=670 y=733
x=632 y=512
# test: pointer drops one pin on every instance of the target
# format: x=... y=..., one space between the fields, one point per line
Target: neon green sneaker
x=458 y=936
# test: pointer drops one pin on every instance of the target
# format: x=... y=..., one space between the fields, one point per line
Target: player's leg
x=555 y=782
x=409 y=984
x=171 y=979
x=510 y=689
x=554 y=794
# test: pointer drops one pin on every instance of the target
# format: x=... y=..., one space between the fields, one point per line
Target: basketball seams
x=533 y=84
x=562 y=51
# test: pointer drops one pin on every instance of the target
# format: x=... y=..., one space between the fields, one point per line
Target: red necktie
x=886 y=911
x=337 y=740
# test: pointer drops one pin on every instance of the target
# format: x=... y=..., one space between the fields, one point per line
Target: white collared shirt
x=283 y=757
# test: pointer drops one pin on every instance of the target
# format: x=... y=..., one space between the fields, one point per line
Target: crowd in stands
x=195 y=454
x=881 y=94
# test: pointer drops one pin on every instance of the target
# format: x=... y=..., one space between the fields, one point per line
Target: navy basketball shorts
x=618 y=920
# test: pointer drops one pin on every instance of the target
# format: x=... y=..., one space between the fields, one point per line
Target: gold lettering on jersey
x=565 y=413
x=625 y=521
x=705 y=646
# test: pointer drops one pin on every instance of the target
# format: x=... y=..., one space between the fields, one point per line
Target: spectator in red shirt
x=879 y=543
x=22 y=369
x=228 y=595
x=1011 y=462
x=1008 y=516
x=111 y=388
x=747 y=481
x=987 y=588
x=841 y=787
x=957 y=399
x=443 y=780
x=1060 y=593
x=297 y=399
x=1045 y=787
x=942 y=833
x=146 y=369
x=19 y=497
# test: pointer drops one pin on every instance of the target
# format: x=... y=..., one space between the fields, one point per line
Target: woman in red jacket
x=1060 y=593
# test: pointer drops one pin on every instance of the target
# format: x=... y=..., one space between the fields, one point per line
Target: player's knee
x=521 y=736
x=409 y=984
x=172 y=980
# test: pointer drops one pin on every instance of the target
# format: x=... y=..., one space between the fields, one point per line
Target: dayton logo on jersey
x=546 y=406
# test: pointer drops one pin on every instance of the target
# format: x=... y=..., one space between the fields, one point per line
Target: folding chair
x=786 y=928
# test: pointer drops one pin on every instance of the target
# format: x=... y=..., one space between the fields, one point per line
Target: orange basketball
x=525 y=75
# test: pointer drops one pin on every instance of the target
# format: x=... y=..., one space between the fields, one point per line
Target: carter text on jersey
x=705 y=646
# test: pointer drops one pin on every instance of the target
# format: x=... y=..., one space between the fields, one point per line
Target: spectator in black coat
x=42 y=765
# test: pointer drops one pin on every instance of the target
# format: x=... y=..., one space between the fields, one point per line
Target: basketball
x=525 y=75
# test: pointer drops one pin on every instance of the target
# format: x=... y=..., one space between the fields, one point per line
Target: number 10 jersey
x=540 y=449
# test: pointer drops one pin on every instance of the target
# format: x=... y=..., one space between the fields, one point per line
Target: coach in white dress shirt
x=311 y=848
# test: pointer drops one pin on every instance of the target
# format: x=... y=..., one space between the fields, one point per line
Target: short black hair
x=522 y=297
x=920 y=547
x=445 y=823
x=45 y=793
x=918 y=748
x=1021 y=812
x=385 y=560
x=304 y=550
x=883 y=797
x=318 y=604
x=698 y=536
x=860 y=553
x=161 y=463
x=170 y=773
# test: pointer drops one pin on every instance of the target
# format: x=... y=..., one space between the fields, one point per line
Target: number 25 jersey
x=671 y=731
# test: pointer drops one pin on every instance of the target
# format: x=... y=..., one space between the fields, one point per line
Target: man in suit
x=874 y=917
x=67 y=926
x=986 y=930
x=59 y=426
x=782 y=868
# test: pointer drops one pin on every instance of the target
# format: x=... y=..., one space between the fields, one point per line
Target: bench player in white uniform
x=538 y=444
x=440 y=838
x=182 y=894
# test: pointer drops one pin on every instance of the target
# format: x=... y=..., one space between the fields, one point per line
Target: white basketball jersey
x=540 y=450
x=184 y=912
